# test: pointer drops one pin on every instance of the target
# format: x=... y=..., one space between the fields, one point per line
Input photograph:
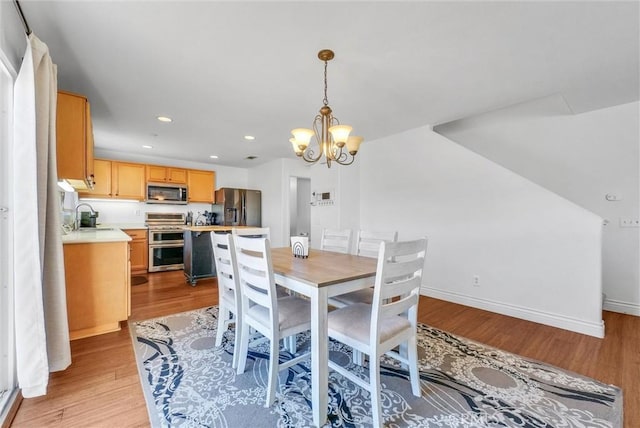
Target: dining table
x=319 y=276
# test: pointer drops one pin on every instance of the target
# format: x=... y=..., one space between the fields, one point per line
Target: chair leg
x=236 y=344
x=244 y=349
x=374 y=383
x=223 y=316
x=404 y=353
x=358 y=357
x=273 y=371
x=290 y=344
x=413 y=366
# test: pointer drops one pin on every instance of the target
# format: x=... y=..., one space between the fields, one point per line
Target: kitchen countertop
x=123 y=225
x=97 y=235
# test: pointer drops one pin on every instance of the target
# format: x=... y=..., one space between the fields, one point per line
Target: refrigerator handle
x=244 y=209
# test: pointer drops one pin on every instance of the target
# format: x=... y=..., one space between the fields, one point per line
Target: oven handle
x=167 y=244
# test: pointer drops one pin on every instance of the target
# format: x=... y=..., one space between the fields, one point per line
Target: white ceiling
x=223 y=70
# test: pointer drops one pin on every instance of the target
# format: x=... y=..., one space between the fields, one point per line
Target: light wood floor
x=102 y=388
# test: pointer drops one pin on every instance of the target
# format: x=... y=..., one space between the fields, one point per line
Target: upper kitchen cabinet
x=166 y=174
x=118 y=180
x=128 y=180
x=101 y=180
x=200 y=185
x=74 y=140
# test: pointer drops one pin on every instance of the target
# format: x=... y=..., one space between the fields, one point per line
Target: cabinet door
x=156 y=174
x=139 y=255
x=128 y=180
x=177 y=175
x=71 y=136
x=200 y=185
x=101 y=179
x=89 y=161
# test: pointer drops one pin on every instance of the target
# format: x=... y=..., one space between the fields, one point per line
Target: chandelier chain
x=325 y=100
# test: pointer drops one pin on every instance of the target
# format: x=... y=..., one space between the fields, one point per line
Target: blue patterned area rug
x=188 y=382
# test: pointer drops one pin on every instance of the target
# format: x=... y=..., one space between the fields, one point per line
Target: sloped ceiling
x=223 y=70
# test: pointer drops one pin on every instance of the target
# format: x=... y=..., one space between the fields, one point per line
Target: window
x=8 y=383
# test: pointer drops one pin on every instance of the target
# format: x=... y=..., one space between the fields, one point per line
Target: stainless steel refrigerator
x=240 y=207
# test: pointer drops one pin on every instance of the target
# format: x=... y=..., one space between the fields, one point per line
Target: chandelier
x=330 y=137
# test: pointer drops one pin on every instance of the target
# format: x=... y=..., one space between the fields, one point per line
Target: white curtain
x=42 y=335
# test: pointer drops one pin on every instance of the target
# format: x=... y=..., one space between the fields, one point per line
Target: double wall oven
x=166 y=241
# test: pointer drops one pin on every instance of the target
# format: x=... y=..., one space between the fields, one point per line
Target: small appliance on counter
x=88 y=218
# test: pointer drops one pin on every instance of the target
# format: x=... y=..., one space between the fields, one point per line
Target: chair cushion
x=358 y=296
x=292 y=311
x=354 y=321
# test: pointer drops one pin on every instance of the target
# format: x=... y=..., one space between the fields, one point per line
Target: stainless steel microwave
x=164 y=193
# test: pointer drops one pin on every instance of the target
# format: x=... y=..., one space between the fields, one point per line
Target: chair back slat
x=254 y=232
x=338 y=241
x=368 y=242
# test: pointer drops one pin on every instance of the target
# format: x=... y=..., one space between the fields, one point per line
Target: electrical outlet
x=629 y=222
x=136 y=212
x=476 y=280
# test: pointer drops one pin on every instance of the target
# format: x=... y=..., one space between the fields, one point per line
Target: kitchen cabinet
x=119 y=180
x=98 y=284
x=166 y=174
x=102 y=181
x=74 y=140
x=128 y=180
x=139 y=255
x=200 y=185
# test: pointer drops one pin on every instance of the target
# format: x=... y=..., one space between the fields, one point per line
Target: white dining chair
x=229 y=306
x=389 y=322
x=367 y=245
x=335 y=240
x=261 y=309
x=255 y=232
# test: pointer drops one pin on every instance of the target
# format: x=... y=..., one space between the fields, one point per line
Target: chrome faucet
x=77 y=222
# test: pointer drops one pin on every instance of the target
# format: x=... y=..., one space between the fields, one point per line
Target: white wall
x=537 y=254
x=269 y=178
x=344 y=184
x=582 y=157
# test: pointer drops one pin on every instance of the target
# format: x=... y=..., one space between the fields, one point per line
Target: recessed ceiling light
x=164 y=119
x=146 y=146
x=213 y=157
x=249 y=137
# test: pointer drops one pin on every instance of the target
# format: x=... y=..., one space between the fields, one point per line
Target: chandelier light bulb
x=353 y=144
x=340 y=134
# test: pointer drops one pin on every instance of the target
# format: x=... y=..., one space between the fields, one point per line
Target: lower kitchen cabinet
x=139 y=251
x=98 y=282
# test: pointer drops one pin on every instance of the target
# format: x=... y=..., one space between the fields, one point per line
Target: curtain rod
x=27 y=30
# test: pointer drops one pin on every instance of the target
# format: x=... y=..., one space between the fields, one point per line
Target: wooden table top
x=322 y=268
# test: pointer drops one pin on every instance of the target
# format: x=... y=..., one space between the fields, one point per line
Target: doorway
x=299 y=206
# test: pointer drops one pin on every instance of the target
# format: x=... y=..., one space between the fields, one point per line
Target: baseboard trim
x=622 y=307
x=547 y=318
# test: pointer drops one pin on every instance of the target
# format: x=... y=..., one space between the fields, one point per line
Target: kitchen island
x=98 y=280
x=198 y=252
